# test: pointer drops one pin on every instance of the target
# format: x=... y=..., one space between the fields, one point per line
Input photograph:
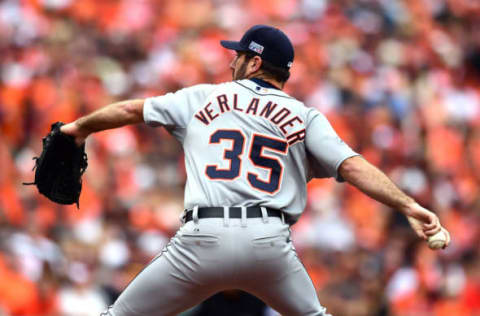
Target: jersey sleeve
x=325 y=149
x=175 y=110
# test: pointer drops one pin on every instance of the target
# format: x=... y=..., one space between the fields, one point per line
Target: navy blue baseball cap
x=268 y=42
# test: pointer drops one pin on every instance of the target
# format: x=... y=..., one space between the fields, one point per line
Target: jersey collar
x=263 y=83
x=261 y=87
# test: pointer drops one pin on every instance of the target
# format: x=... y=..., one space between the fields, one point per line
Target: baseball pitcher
x=250 y=149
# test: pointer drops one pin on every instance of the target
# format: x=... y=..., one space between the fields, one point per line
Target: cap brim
x=232 y=45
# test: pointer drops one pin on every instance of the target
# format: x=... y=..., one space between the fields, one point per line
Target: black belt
x=233 y=212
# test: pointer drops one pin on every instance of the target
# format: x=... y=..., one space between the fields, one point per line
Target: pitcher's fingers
x=421 y=234
x=434 y=224
x=432 y=231
x=430 y=227
x=433 y=221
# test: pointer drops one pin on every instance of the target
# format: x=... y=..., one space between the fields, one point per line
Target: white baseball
x=438 y=240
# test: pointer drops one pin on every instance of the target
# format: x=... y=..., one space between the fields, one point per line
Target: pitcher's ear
x=256 y=63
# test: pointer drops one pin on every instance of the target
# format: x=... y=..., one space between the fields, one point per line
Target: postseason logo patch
x=257 y=48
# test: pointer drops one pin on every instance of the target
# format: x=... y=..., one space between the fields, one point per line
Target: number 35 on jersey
x=235 y=154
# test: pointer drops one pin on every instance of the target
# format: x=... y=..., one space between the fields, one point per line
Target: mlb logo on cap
x=257 y=48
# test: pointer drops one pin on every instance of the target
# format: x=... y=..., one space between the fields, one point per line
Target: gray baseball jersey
x=246 y=144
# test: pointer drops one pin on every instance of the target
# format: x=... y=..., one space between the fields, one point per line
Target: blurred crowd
x=398 y=79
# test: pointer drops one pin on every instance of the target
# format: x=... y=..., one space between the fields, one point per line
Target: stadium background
x=399 y=81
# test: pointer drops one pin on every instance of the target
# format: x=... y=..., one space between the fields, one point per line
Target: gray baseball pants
x=209 y=255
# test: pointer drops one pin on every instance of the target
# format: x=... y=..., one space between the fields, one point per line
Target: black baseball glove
x=59 y=169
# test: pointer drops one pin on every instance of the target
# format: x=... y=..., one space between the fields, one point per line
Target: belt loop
x=283 y=217
x=195 y=214
x=244 y=216
x=264 y=214
x=226 y=216
x=182 y=216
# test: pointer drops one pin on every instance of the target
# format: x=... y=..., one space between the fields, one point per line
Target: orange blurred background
x=398 y=79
